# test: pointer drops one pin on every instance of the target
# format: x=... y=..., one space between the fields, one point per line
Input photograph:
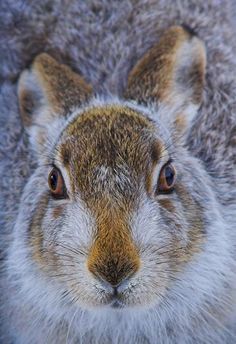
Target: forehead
x=110 y=141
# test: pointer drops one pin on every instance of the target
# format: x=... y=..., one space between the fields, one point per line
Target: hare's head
x=116 y=208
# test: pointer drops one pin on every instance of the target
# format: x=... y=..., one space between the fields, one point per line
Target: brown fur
x=118 y=142
x=57 y=211
x=26 y=104
x=159 y=74
x=36 y=232
x=56 y=86
x=121 y=136
x=194 y=215
x=113 y=256
x=63 y=87
x=43 y=254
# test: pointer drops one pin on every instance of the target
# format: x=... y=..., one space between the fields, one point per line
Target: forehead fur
x=112 y=143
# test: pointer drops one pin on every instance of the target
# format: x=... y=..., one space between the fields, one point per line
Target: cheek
x=167 y=233
x=71 y=233
x=57 y=212
x=173 y=215
x=78 y=226
x=194 y=217
x=36 y=233
x=148 y=227
x=69 y=223
x=184 y=218
x=155 y=243
x=60 y=239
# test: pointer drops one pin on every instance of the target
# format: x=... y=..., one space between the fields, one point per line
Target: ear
x=171 y=73
x=49 y=91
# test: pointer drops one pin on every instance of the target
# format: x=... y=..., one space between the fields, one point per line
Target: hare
x=121 y=237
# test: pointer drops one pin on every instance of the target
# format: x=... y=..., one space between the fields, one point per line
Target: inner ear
x=50 y=89
x=172 y=72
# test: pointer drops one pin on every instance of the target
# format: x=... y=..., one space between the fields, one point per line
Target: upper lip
x=116 y=303
x=114 y=297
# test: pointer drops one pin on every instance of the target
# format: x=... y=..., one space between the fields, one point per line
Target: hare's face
x=117 y=218
x=117 y=211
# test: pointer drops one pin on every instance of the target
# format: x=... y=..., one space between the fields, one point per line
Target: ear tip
x=23 y=81
x=197 y=44
x=25 y=99
x=189 y=30
x=43 y=59
x=42 y=56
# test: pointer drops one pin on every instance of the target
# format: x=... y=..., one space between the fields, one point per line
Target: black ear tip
x=190 y=30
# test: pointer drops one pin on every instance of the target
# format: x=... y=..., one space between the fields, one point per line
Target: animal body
x=125 y=232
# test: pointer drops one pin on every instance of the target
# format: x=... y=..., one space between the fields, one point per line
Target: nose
x=114 y=271
x=113 y=256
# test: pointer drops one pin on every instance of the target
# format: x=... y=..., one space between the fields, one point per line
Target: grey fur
x=103 y=40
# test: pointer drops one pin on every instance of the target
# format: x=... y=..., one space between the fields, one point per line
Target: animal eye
x=56 y=184
x=167 y=179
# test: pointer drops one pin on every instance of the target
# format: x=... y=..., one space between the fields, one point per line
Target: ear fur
x=47 y=93
x=52 y=86
x=171 y=73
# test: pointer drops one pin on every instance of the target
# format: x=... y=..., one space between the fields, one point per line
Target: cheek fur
x=43 y=231
x=36 y=234
x=184 y=217
x=57 y=212
x=171 y=234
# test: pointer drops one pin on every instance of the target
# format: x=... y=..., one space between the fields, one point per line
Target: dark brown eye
x=56 y=184
x=167 y=179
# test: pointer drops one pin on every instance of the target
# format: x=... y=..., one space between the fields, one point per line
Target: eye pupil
x=53 y=180
x=56 y=184
x=169 y=175
x=166 y=179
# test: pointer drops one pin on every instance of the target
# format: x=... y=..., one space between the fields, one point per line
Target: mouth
x=116 y=304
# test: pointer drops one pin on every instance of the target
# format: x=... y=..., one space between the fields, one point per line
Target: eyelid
x=170 y=161
x=155 y=172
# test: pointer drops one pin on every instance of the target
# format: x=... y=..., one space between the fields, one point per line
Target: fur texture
x=103 y=41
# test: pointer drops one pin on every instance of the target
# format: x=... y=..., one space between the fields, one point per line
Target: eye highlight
x=167 y=178
x=56 y=184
